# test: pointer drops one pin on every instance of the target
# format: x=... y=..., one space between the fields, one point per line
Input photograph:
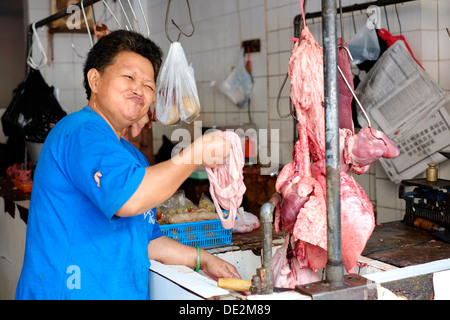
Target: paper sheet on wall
x=404 y=102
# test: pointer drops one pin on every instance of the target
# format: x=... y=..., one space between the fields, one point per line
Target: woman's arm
x=163 y=179
x=171 y=252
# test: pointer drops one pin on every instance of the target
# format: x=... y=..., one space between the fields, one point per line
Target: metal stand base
x=354 y=287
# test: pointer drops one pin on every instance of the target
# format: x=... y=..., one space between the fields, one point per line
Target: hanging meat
x=227 y=181
x=302 y=183
x=345 y=95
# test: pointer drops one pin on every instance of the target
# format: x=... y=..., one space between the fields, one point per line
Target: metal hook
x=356 y=98
x=398 y=18
x=134 y=15
x=341 y=23
x=387 y=20
x=126 y=16
x=278 y=99
x=291 y=106
x=346 y=49
x=173 y=22
x=354 y=24
x=292 y=109
x=112 y=13
x=76 y=52
x=94 y=19
x=86 y=22
x=145 y=18
x=30 y=60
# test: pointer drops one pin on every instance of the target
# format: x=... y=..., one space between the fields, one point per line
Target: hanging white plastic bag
x=177 y=97
x=364 y=45
x=238 y=85
x=245 y=222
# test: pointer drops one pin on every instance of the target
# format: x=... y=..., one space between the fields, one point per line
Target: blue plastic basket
x=202 y=233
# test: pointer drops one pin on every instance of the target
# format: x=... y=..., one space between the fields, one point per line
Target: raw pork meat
x=16 y=171
x=290 y=272
x=357 y=218
x=245 y=222
x=302 y=211
x=227 y=181
x=367 y=146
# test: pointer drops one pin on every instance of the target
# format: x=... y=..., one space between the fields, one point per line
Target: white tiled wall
x=221 y=26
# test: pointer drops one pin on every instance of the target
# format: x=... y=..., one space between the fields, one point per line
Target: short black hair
x=104 y=52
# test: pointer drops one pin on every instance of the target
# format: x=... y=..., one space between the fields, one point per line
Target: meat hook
x=145 y=19
x=387 y=20
x=176 y=26
x=350 y=88
x=86 y=22
x=134 y=15
x=112 y=13
x=30 y=60
x=398 y=18
x=356 y=98
x=76 y=52
x=341 y=23
x=291 y=108
x=126 y=16
x=291 y=113
x=346 y=49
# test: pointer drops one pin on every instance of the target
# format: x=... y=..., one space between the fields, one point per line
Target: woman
x=91 y=226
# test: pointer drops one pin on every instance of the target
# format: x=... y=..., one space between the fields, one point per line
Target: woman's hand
x=212 y=149
x=217 y=268
x=171 y=252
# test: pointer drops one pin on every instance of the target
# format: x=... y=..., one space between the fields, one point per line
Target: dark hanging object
x=33 y=111
x=368 y=64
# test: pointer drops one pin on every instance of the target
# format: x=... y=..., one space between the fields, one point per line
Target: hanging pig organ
x=302 y=211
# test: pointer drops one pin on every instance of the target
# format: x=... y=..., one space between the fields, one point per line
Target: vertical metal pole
x=266 y=216
x=334 y=270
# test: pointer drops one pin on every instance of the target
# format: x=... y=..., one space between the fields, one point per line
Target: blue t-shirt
x=76 y=248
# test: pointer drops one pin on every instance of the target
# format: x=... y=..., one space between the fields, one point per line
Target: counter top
x=253 y=240
x=400 y=245
x=394 y=243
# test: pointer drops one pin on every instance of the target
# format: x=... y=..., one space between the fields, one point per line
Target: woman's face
x=123 y=93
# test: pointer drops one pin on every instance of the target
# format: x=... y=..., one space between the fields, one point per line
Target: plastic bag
x=176 y=204
x=238 y=85
x=177 y=98
x=245 y=222
x=33 y=110
x=179 y=209
x=364 y=45
x=206 y=203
